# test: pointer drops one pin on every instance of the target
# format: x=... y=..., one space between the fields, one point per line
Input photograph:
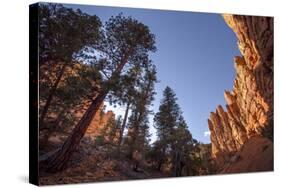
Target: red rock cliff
x=99 y=121
x=249 y=109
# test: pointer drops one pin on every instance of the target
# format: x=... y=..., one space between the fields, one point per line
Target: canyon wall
x=249 y=109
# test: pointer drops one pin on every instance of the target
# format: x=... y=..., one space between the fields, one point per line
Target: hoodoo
x=248 y=117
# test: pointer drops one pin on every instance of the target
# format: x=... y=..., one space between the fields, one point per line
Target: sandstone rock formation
x=99 y=122
x=249 y=109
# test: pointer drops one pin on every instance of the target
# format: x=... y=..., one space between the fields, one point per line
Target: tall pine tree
x=173 y=135
x=126 y=44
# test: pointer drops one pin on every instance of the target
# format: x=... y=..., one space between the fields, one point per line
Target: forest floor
x=91 y=163
x=94 y=164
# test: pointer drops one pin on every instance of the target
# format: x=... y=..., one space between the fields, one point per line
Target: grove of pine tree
x=125 y=42
x=84 y=63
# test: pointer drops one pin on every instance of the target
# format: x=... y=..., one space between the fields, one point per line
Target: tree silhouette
x=63 y=32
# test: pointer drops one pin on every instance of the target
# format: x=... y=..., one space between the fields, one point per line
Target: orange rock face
x=99 y=122
x=249 y=109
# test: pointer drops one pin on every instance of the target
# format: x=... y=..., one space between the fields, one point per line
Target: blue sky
x=194 y=57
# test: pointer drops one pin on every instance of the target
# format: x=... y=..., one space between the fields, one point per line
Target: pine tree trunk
x=176 y=163
x=51 y=95
x=161 y=160
x=123 y=127
x=134 y=135
x=159 y=165
x=59 y=160
x=139 y=117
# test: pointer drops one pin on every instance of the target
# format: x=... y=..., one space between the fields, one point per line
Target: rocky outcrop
x=100 y=121
x=249 y=109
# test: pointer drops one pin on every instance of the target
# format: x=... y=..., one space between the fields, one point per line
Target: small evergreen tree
x=109 y=133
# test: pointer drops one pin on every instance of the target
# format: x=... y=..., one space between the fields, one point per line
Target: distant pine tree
x=174 y=139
